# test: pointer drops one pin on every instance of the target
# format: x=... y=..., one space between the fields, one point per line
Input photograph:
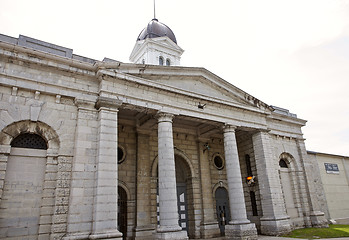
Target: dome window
x=283 y=163
x=168 y=62
x=161 y=61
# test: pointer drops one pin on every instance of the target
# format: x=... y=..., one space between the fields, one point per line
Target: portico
x=146 y=151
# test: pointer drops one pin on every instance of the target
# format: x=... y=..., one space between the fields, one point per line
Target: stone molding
x=108 y=103
x=84 y=104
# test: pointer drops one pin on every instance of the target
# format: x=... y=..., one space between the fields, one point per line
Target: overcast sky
x=293 y=54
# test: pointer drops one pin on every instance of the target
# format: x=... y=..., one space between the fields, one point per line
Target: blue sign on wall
x=332 y=168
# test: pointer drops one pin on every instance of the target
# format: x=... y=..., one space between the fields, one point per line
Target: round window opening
x=121 y=154
x=218 y=162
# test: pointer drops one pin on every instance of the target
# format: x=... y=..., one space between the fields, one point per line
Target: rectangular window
x=253 y=203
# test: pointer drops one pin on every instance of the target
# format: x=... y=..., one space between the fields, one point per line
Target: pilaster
x=239 y=226
x=144 y=229
x=317 y=217
x=168 y=208
x=104 y=223
x=209 y=227
x=275 y=220
x=81 y=190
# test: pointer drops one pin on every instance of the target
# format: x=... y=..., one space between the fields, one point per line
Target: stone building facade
x=108 y=150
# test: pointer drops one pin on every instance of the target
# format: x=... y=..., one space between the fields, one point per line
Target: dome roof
x=156 y=29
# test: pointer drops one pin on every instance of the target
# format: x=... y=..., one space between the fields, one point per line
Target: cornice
x=110 y=103
x=46 y=59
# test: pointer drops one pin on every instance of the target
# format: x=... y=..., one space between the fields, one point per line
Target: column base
x=318 y=219
x=170 y=233
x=275 y=227
x=112 y=235
x=243 y=231
x=144 y=232
x=209 y=230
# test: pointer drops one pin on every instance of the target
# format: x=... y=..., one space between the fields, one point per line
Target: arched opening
x=185 y=194
x=21 y=203
x=23 y=186
x=122 y=212
x=183 y=182
x=287 y=185
x=222 y=208
x=168 y=62
x=161 y=61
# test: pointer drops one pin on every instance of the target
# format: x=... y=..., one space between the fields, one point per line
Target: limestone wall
x=335 y=184
x=29 y=111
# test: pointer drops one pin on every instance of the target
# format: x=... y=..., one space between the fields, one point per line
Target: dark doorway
x=122 y=212
x=222 y=208
x=183 y=186
x=182 y=206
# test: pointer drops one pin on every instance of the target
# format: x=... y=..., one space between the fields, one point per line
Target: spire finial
x=154 y=10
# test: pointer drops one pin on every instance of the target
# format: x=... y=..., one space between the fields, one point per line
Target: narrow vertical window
x=168 y=62
x=253 y=203
x=248 y=165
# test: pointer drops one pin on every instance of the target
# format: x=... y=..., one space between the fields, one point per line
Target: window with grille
x=29 y=140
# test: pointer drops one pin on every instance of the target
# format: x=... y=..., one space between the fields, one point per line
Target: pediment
x=165 y=41
x=201 y=84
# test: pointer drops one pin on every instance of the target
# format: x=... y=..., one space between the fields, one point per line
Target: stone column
x=105 y=216
x=239 y=226
x=275 y=220
x=317 y=217
x=168 y=208
x=209 y=227
x=144 y=228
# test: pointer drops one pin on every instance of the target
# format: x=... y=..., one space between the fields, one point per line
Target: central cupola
x=156 y=29
x=156 y=45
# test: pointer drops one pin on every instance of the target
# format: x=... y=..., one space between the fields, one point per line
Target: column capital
x=105 y=102
x=229 y=128
x=84 y=104
x=164 y=117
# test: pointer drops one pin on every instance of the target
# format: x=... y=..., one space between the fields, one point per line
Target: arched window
x=168 y=62
x=283 y=163
x=161 y=61
x=29 y=140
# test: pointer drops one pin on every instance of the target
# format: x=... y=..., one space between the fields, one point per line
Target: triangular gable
x=197 y=82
